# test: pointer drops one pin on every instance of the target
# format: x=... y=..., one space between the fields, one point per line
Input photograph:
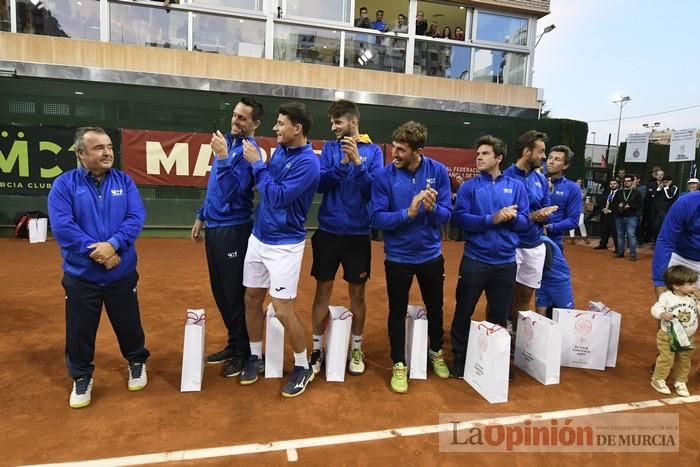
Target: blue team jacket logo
x=117 y=192
x=560 y=193
x=430 y=180
x=507 y=190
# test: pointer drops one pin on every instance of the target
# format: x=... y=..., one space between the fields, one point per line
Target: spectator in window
x=380 y=25
x=446 y=33
x=421 y=24
x=459 y=34
x=363 y=21
x=433 y=31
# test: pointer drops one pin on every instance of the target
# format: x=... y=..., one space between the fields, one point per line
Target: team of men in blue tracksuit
x=97 y=214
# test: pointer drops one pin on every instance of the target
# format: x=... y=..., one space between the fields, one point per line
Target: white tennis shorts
x=530 y=263
x=273 y=267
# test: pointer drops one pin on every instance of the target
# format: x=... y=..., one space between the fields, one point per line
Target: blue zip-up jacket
x=287 y=185
x=410 y=240
x=566 y=195
x=556 y=272
x=680 y=234
x=478 y=199
x=81 y=215
x=537 y=189
x=229 y=198
x=347 y=188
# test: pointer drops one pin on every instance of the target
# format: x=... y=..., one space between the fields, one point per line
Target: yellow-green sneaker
x=399 y=378
x=356 y=365
x=439 y=365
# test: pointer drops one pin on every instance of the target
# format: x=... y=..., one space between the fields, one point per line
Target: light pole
x=593 y=147
x=651 y=127
x=546 y=30
x=622 y=101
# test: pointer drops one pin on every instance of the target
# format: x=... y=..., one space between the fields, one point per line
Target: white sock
x=256 y=348
x=318 y=342
x=300 y=359
x=356 y=342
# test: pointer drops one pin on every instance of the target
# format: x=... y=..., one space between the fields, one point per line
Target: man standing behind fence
x=348 y=167
x=96 y=215
x=227 y=212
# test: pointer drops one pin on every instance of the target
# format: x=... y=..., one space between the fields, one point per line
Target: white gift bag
x=615 y=325
x=37 y=229
x=274 y=344
x=416 y=342
x=538 y=347
x=193 y=351
x=337 y=342
x=584 y=338
x=488 y=361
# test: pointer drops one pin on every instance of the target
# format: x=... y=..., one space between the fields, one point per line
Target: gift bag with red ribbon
x=538 y=347
x=193 y=351
x=488 y=361
x=337 y=342
x=274 y=344
x=417 y=342
x=584 y=338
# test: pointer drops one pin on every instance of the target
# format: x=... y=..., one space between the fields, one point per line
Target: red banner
x=184 y=159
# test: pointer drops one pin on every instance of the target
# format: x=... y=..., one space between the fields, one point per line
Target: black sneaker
x=316 y=360
x=300 y=378
x=233 y=367
x=457 y=370
x=253 y=367
x=221 y=356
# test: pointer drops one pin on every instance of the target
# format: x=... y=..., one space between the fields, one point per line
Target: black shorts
x=354 y=252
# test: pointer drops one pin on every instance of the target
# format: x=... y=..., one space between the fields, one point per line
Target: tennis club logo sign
x=683 y=143
x=637 y=147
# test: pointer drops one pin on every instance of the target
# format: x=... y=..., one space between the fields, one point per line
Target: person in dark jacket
x=626 y=205
x=227 y=212
x=410 y=201
x=96 y=215
x=665 y=196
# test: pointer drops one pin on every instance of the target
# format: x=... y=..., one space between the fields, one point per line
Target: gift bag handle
x=194 y=319
x=489 y=330
x=345 y=315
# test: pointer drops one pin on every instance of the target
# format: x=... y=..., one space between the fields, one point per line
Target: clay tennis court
x=38 y=427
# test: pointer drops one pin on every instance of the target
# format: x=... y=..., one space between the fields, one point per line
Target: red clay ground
x=39 y=427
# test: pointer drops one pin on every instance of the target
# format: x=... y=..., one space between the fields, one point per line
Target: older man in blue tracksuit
x=565 y=194
x=227 y=212
x=96 y=215
x=286 y=185
x=530 y=253
x=410 y=201
x=491 y=208
x=348 y=167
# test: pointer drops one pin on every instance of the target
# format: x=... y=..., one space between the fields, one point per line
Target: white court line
x=291 y=446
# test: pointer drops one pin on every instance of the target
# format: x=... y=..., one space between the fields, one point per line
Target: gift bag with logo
x=337 y=342
x=538 y=347
x=193 y=351
x=677 y=336
x=274 y=344
x=37 y=229
x=488 y=361
x=584 y=338
x=615 y=325
x=416 y=342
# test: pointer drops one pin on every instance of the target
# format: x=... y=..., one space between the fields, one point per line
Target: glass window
x=446 y=60
x=5 y=15
x=154 y=27
x=240 y=4
x=308 y=45
x=498 y=66
x=62 y=18
x=375 y=52
x=231 y=36
x=334 y=10
x=440 y=20
x=500 y=28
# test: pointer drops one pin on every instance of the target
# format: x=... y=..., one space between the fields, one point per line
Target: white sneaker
x=681 y=389
x=660 y=386
x=356 y=366
x=138 y=378
x=81 y=394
